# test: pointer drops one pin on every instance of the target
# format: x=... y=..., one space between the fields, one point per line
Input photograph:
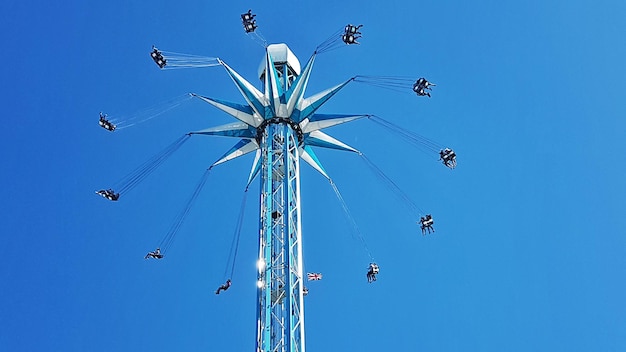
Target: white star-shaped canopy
x=278 y=105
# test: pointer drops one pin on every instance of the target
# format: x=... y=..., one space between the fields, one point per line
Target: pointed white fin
x=296 y=91
x=253 y=96
x=321 y=139
x=242 y=113
x=318 y=122
x=242 y=148
x=276 y=90
x=234 y=129
x=307 y=107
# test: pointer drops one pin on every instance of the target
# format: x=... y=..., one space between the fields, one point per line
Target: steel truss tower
x=280 y=315
x=281 y=126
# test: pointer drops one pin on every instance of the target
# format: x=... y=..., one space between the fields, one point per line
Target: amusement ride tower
x=281 y=126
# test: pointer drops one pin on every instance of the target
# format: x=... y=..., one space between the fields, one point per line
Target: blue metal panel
x=313 y=156
x=249 y=133
x=239 y=144
x=324 y=117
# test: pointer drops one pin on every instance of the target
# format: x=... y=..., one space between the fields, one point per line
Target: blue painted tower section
x=280 y=314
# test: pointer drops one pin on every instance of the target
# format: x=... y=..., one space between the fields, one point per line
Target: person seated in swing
x=372 y=272
x=353 y=29
x=247 y=16
x=250 y=26
x=111 y=195
x=106 y=124
x=427 y=224
x=224 y=287
x=420 y=91
x=350 y=38
x=109 y=126
x=305 y=291
x=158 y=57
x=448 y=156
x=451 y=155
x=161 y=62
x=156 y=254
x=420 y=86
x=156 y=54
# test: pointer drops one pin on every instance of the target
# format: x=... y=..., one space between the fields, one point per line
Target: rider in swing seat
x=156 y=254
x=224 y=287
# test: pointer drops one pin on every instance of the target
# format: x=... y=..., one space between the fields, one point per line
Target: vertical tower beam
x=280 y=315
x=294 y=241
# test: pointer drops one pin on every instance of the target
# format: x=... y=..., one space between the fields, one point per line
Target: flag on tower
x=314 y=276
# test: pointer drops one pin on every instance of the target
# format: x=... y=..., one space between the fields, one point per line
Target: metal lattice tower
x=280 y=315
x=281 y=126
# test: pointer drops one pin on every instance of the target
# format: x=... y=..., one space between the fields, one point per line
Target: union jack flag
x=314 y=276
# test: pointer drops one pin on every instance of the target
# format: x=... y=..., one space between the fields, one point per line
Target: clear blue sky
x=529 y=253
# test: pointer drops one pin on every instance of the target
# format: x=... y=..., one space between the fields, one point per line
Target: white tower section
x=284 y=60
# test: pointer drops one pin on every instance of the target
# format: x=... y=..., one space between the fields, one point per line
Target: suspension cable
x=143 y=115
x=132 y=179
x=168 y=239
x=396 y=83
x=351 y=220
x=258 y=38
x=331 y=43
x=180 y=60
x=411 y=206
x=419 y=141
x=234 y=246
